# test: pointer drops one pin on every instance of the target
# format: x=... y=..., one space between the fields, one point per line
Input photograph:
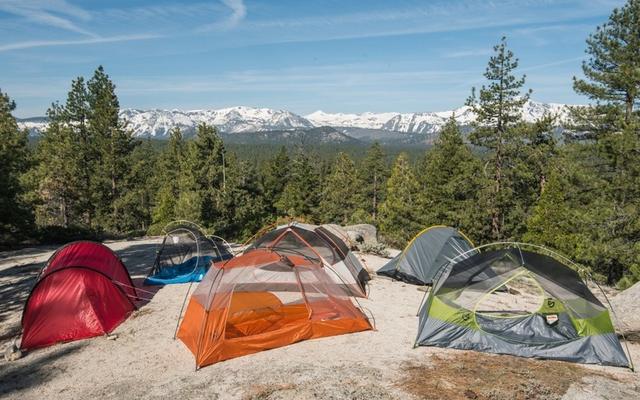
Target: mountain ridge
x=157 y=123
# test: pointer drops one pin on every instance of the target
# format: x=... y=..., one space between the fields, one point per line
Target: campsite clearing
x=144 y=361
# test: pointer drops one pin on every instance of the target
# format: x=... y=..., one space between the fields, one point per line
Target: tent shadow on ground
x=34 y=371
x=145 y=293
x=138 y=258
x=15 y=285
x=28 y=251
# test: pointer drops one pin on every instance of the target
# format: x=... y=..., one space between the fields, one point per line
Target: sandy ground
x=144 y=361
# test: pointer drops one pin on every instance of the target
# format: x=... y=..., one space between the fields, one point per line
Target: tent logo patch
x=551 y=319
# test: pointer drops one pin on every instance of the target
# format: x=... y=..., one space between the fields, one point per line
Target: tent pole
x=615 y=317
x=304 y=295
x=424 y=296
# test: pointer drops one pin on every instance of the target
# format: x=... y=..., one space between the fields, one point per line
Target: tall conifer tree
x=301 y=194
x=450 y=180
x=167 y=179
x=340 y=197
x=399 y=218
x=114 y=147
x=373 y=175
x=497 y=107
x=612 y=72
x=15 y=215
x=275 y=177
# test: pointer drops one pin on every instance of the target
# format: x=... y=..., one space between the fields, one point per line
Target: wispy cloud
x=325 y=79
x=424 y=18
x=53 y=13
x=553 y=64
x=468 y=53
x=238 y=14
x=93 y=40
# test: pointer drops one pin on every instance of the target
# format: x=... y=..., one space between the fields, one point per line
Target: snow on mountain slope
x=158 y=123
x=365 y=120
x=425 y=122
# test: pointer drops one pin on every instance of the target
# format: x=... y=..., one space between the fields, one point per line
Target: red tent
x=84 y=290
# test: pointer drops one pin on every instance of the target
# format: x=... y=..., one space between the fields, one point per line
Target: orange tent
x=261 y=300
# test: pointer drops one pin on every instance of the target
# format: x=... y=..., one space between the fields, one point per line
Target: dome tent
x=527 y=303
x=321 y=243
x=265 y=299
x=425 y=254
x=83 y=291
x=185 y=254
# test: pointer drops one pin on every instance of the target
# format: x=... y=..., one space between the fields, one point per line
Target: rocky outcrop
x=626 y=306
x=362 y=234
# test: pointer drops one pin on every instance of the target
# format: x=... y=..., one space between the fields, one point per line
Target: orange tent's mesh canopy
x=322 y=245
x=263 y=300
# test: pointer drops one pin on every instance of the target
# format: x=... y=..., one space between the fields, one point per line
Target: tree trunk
x=375 y=195
x=65 y=216
x=495 y=218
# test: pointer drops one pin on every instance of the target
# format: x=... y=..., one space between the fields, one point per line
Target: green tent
x=518 y=302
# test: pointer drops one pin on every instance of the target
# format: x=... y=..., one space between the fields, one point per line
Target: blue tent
x=185 y=255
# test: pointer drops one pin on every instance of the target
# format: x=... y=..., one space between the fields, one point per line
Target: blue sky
x=333 y=55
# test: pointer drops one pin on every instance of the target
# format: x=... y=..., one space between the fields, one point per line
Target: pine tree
x=551 y=222
x=497 y=108
x=203 y=178
x=15 y=215
x=373 y=176
x=339 y=197
x=135 y=204
x=610 y=197
x=300 y=197
x=275 y=177
x=243 y=206
x=84 y=161
x=449 y=176
x=59 y=187
x=68 y=159
x=398 y=215
x=612 y=73
x=114 y=147
x=167 y=178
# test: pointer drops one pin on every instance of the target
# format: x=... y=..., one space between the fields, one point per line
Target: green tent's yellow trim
x=594 y=326
x=459 y=316
x=525 y=272
x=462 y=317
x=422 y=232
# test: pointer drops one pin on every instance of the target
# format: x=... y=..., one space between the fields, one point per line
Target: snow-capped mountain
x=426 y=122
x=365 y=120
x=157 y=123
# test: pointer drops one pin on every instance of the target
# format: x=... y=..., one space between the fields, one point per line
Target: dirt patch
x=264 y=392
x=472 y=375
x=140 y=313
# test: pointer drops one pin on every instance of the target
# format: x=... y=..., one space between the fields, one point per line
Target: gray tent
x=523 y=303
x=426 y=253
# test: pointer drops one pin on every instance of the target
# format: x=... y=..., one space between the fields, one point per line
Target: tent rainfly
x=83 y=291
x=185 y=255
x=323 y=244
x=523 y=303
x=265 y=299
x=429 y=250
